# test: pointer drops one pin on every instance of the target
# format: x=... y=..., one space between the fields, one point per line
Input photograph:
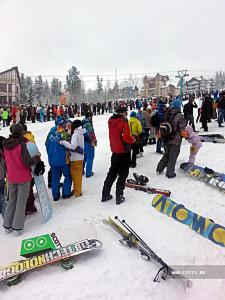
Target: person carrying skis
x=76 y=147
x=177 y=122
x=195 y=141
x=58 y=159
x=90 y=142
x=120 y=142
x=18 y=162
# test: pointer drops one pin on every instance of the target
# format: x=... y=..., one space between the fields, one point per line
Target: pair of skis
x=132 y=239
x=139 y=184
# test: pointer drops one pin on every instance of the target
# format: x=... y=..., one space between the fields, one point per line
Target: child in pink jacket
x=195 y=142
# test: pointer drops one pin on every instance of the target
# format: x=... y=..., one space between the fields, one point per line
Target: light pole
x=181 y=75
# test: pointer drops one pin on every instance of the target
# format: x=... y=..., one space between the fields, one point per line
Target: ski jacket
x=18 y=159
x=119 y=134
x=5 y=114
x=89 y=133
x=77 y=141
x=135 y=126
x=147 y=117
x=57 y=154
x=178 y=124
x=193 y=138
x=188 y=108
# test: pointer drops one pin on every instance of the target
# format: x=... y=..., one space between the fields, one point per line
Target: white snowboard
x=61 y=237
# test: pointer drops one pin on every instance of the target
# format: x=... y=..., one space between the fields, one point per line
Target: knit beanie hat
x=76 y=124
x=16 y=129
x=133 y=114
x=176 y=104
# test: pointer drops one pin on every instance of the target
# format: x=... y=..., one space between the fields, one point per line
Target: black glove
x=39 y=168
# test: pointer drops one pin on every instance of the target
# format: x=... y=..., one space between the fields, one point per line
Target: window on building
x=9 y=88
x=3 y=87
x=10 y=100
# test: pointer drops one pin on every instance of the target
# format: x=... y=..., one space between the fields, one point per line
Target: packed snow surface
x=116 y=272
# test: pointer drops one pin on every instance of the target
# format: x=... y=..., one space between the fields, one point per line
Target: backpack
x=166 y=129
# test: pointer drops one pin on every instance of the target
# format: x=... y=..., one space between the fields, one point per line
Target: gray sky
x=47 y=37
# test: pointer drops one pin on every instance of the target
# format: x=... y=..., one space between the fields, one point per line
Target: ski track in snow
x=116 y=272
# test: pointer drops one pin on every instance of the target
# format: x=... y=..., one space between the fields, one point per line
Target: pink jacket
x=193 y=138
x=18 y=160
x=17 y=172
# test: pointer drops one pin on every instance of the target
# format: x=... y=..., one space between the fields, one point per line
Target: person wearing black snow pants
x=120 y=163
x=120 y=143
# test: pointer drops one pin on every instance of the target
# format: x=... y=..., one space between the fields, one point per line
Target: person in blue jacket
x=90 y=143
x=58 y=159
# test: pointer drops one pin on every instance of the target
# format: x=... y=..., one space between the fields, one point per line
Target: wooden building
x=10 y=86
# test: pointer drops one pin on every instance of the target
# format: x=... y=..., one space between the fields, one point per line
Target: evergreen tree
x=99 y=85
x=73 y=82
x=38 y=88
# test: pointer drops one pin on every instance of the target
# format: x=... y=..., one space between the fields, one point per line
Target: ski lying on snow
x=132 y=239
x=131 y=183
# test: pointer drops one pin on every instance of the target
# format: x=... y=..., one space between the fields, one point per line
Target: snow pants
x=76 y=168
x=14 y=215
x=89 y=154
x=193 y=153
x=120 y=163
x=169 y=159
x=57 y=172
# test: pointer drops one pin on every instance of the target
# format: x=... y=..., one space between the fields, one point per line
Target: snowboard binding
x=140 y=179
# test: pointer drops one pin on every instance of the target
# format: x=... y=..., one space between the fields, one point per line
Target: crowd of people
x=70 y=146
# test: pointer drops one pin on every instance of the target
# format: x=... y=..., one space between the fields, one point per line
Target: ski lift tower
x=181 y=75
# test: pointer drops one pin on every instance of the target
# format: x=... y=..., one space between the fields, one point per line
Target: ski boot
x=140 y=179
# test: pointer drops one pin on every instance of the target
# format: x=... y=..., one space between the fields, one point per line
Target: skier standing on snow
x=120 y=143
x=90 y=142
x=18 y=162
x=195 y=141
x=76 y=156
x=172 y=146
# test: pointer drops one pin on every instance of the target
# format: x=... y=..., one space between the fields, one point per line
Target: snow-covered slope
x=116 y=272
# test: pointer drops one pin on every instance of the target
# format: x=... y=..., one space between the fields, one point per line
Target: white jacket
x=76 y=140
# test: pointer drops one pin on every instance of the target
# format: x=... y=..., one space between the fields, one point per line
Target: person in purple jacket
x=194 y=139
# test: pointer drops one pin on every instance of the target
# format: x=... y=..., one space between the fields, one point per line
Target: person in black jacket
x=188 y=112
x=221 y=109
x=206 y=111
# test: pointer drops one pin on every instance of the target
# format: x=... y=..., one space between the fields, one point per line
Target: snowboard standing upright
x=44 y=201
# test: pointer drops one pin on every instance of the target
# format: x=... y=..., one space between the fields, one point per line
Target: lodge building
x=10 y=86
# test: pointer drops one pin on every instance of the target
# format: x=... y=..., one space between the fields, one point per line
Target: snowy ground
x=116 y=272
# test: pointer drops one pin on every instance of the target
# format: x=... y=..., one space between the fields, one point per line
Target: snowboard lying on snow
x=207 y=175
x=61 y=245
x=204 y=226
x=213 y=138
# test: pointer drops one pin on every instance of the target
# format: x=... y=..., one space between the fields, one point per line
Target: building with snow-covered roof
x=10 y=86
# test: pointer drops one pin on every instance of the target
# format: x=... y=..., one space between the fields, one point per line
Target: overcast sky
x=47 y=37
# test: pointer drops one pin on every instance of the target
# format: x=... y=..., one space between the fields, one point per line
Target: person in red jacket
x=120 y=143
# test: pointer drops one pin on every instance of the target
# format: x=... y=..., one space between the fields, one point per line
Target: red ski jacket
x=119 y=134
